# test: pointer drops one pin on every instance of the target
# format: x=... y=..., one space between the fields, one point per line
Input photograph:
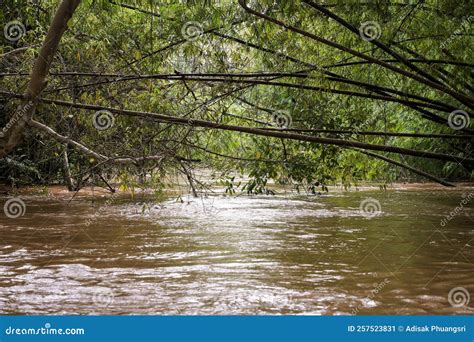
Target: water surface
x=239 y=255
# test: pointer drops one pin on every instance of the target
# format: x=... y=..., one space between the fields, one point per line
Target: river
x=283 y=254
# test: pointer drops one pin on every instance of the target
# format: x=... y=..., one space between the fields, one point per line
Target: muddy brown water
x=241 y=255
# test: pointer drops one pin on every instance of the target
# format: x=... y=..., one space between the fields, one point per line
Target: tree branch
x=468 y=162
x=13 y=132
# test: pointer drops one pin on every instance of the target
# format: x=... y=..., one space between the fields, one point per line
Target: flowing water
x=242 y=255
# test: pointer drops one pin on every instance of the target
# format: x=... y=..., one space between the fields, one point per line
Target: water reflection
x=238 y=255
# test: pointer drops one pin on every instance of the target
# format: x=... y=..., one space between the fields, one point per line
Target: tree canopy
x=308 y=93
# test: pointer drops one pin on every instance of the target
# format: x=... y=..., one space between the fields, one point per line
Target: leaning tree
x=303 y=92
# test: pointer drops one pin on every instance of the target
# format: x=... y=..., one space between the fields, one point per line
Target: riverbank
x=61 y=192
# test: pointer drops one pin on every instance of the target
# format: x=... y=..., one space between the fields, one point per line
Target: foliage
x=150 y=37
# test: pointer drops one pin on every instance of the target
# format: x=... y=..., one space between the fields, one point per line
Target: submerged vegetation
x=303 y=93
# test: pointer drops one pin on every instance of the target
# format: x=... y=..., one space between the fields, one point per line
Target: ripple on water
x=237 y=255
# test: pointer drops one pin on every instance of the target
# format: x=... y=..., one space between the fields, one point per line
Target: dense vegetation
x=301 y=92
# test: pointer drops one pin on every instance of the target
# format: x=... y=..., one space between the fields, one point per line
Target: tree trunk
x=12 y=133
x=67 y=171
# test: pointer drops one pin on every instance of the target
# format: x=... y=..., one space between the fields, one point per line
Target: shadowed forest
x=297 y=92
